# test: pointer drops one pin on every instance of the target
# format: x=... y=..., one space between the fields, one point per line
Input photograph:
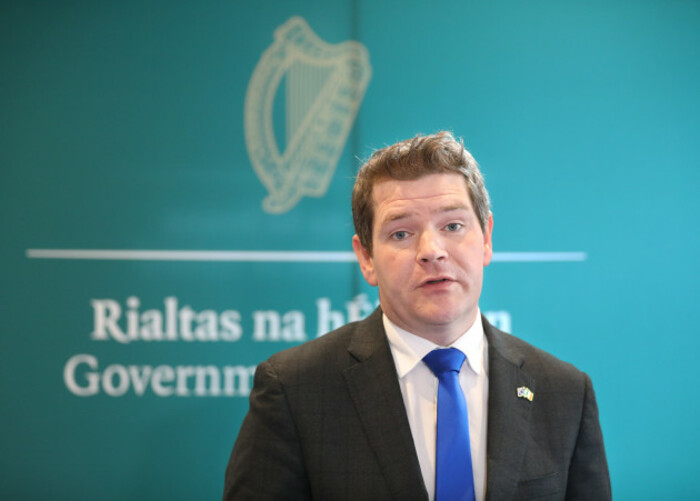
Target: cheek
x=399 y=264
x=391 y=269
x=472 y=261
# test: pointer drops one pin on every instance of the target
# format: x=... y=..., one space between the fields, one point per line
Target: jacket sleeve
x=266 y=461
x=588 y=472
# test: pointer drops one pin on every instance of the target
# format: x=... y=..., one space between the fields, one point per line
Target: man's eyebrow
x=453 y=207
x=405 y=214
x=396 y=216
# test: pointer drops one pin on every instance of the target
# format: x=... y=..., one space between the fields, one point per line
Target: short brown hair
x=412 y=159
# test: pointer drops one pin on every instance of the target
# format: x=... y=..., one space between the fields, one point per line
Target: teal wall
x=123 y=129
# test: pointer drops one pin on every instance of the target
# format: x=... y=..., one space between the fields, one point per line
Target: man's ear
x=365 y=260
x=488 y=241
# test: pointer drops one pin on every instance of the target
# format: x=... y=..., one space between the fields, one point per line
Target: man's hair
x=411 y=159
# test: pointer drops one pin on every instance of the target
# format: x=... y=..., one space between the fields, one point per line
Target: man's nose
x=430 y=247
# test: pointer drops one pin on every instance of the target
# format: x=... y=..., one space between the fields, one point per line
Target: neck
x=441 y=338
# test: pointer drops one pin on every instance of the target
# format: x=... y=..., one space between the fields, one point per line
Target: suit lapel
x=508 y=416
x=376 y=394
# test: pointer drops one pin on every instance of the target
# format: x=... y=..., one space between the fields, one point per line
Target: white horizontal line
x=266 y=256
x=170 y=255
x=526 y=257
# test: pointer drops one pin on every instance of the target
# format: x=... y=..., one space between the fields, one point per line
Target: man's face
x=428 y=255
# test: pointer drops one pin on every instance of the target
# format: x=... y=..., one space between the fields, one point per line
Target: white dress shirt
x=419 y=388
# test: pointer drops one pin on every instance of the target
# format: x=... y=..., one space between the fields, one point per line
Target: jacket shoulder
x=544 y=367
x=318 y=356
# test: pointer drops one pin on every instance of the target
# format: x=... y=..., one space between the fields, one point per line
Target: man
x=353 y=414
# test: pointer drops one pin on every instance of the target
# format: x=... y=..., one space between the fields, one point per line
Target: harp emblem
x=323 y=86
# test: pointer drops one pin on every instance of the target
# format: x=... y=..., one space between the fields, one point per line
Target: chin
x=441 y=319
x=451 y=316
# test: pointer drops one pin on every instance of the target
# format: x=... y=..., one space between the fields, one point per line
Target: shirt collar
x=408 y=349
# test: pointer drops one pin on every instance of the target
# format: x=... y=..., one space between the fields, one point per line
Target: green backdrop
x=136 y=126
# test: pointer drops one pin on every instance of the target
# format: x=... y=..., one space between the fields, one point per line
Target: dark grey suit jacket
x=327 y=421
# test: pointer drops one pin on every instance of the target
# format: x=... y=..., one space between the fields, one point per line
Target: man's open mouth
x=437 y=281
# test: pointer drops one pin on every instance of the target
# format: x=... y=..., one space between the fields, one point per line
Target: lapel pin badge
x=524 y=392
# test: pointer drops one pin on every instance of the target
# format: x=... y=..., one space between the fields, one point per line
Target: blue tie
x=454 y=479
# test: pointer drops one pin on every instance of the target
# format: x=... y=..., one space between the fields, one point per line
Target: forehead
x=431 y=191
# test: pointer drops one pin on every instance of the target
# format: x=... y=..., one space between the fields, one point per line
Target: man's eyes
x=399 y=235
x=404 y=234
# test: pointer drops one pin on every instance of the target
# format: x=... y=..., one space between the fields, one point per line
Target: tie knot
x=442 y=361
